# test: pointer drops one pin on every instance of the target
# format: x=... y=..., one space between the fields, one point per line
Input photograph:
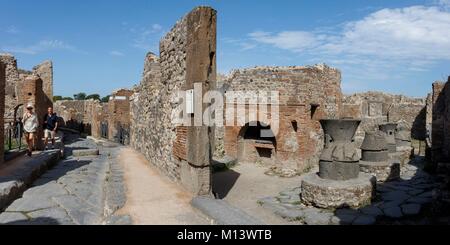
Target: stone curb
x=87 y=152
x=13 y=186
x=222 y=213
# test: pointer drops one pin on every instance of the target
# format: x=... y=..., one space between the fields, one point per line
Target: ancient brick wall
x=11 y=84
x=15 y=78
x=307 y=94
x=32 y=92
x=187 y=55
x=440 y=127
x=119 y=112
x=375 y=108
x=2 y=109
x=99 y=115
x=76 y=114
x=45 y=72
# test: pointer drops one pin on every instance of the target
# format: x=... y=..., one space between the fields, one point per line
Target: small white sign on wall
x=120 y=98
x=190 y=101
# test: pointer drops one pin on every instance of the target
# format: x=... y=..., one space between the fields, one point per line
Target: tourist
x=30 y=126
x=50 y=127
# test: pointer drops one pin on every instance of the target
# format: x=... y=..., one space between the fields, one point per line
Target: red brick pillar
x=33 y=93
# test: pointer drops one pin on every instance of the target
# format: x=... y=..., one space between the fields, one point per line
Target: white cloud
x=116 y=53
x=291 y=40
x=146 y=37
x=41 y=46
x=396 y=35
x=12 y=30
x=445 y=3
x=408 y=33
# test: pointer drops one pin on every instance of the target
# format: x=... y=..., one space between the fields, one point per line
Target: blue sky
x=99 y=45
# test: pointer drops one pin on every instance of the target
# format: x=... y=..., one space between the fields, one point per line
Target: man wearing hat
x=30 y=126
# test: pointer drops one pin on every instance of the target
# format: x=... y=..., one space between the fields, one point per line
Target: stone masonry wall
x=15 y=79
x=32 y=92
x=11 y=83
x=375 y=108
x=100 y=114
x=2 y=108
x=45 y=72
x=76 y=114
x=307 y=95
x=440 y=127
x=187 y=55
x=119 y=112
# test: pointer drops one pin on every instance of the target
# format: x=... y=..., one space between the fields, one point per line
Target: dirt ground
x=245 y=183
x=153 y=199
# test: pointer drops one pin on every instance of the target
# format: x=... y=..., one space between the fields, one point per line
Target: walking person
x=30 y=126
x=50 y=127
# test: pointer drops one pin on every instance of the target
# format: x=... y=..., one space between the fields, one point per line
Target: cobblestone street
x=78 y=190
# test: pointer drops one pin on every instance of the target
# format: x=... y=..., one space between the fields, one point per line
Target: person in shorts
x=30 y=127
x=50 y=126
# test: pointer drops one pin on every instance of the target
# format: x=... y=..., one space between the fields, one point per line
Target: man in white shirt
x=30 y=127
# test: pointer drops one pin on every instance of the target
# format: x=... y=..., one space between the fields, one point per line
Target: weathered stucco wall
x=187 y=55
x=307 y=94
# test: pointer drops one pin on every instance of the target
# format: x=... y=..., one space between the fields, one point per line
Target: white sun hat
x=30 y=106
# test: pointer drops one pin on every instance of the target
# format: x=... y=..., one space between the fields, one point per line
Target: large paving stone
x=343 y=219
x=420 y=200
x=393 y=212
x=80 y=212
x=365 y=220
x=223 y=213
x=316 y=217
x=29 y=204
x=411 y=209
x=58 y=215
x=119 y=220
x=399 y=196
x=47 y=190
x=7 y=218
x=291 y=214
x=372 y=211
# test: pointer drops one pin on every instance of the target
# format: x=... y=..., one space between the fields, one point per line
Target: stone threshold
x=16 y=182
x=222 y=213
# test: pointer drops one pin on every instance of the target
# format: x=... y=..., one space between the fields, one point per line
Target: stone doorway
x=257 y=144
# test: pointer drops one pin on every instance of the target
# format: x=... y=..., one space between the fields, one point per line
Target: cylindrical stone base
x=383 y=171
x=375 y=156
x=324 y=193
x=338 y=170
x=392 y=148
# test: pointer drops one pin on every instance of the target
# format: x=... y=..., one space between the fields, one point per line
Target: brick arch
x=16 y=109
x=252 y=147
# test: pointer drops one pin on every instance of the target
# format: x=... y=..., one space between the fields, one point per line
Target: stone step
x=14 y=183
x=222 y=213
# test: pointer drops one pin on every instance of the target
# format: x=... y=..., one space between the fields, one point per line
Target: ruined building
x=16 y=81
x=438 y=123
x=75 y=114
x=375 y=108
x=119 y=116
x=187 y=56
x=306 y=95
x=2 y=108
